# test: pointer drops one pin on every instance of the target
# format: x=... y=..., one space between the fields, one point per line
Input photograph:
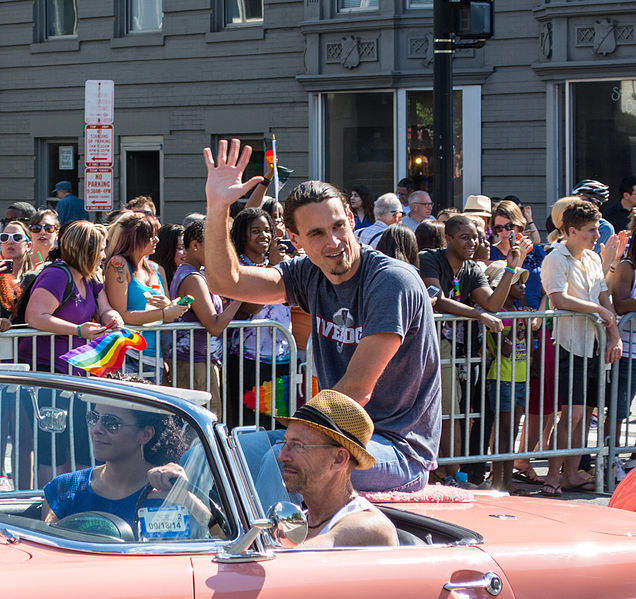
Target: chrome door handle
x=491 y=582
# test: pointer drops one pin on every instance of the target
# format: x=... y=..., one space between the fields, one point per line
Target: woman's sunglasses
x=47 y=228
x=500 y=228
x=111 y=423
x=17 y=237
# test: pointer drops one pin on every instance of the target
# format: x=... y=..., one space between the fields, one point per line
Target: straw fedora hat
x=340 y=418
x=478 y=205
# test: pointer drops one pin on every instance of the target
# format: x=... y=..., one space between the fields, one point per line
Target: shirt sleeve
x=429 y=266
x=52 y=280
x=554 y=273
x=292 y=272
x=393 y=297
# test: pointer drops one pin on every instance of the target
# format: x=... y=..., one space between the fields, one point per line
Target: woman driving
x=129 y=443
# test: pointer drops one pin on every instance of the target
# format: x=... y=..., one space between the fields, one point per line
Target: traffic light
x=474 y=20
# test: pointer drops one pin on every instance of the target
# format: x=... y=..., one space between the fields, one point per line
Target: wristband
x=265 y=182
x=530 y=222
x=511 y=270
x=612 y=269
x=79 y=331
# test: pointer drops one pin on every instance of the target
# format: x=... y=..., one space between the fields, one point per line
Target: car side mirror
x=285 y=522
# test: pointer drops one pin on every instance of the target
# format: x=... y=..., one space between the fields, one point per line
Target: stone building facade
x=346 y=86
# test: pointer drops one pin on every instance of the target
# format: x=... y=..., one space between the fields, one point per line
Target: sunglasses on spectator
x=47 y=228
x=17 y=237
x=400 y=212
x=20 y=219
x=500 y=228
x=111 y=423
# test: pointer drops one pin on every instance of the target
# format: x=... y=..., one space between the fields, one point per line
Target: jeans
x=392 y=471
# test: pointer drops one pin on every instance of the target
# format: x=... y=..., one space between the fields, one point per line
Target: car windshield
x=89 y=466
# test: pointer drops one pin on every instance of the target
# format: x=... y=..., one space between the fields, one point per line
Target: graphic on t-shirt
x=340 y=329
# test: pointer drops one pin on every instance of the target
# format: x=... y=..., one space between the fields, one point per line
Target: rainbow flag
x=106 y=353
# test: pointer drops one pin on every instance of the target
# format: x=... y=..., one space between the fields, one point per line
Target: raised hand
x=225 y=178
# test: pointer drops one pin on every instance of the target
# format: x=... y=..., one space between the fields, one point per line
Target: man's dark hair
x=627 y=185
x=309 y=192
x=578 y=214
x=27 y=209
x=193 y=232
x=407 y=182
x=455 y=223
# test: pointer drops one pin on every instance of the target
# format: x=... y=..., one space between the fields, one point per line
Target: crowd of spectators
x=83 y=278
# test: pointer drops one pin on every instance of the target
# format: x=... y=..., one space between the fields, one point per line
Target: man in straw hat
x=373 y=331
x=324 y=443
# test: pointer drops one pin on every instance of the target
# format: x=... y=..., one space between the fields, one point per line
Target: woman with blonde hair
x=82 y=249
x=136 y=287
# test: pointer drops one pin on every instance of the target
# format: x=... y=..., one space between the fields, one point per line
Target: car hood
x=499 y=518
x=12 y=556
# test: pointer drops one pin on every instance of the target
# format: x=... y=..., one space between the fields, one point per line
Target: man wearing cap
x=324 y=443
x=421 y=206
x=69 y=207
x=19 y=211
x=372 y=320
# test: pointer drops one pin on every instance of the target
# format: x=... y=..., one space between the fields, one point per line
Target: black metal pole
x=443 y=104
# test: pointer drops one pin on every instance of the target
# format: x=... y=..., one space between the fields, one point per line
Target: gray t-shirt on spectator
x=383 y=296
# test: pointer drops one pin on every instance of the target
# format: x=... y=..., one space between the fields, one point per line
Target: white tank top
x=357 y=504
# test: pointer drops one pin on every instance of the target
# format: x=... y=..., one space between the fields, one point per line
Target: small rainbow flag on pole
x=105 y=354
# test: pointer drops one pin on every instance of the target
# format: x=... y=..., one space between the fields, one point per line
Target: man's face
x=14 y=214
x=422 y=207
x=305 y=468
x=464 y=242
x=403 y=195
x=631 y=197
x=585 y=237
x=325 y=233
x=392 y=217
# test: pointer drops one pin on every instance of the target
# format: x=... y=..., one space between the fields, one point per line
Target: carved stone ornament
x=350 y=54
x=545 y=40
x=604 y=37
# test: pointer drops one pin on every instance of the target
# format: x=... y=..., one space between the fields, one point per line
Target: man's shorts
x=584 y=385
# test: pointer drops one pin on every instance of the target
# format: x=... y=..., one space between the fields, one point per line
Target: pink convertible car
x=78 y=518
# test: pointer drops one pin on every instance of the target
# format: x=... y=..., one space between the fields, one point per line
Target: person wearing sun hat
x=325 y=441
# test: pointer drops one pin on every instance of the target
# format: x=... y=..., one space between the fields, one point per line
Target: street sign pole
x=443 y=103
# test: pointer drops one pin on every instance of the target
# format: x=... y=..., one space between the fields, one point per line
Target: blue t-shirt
x=383 y=296
x=137 y=301
x=71 y=493
x=71 y=208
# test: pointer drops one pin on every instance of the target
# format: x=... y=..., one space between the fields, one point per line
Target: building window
x=145 y=15
x=420 y=3
x=351 y=5
x=241 y=12
x=419 y=139
x=603 y=139
x=61 y=18
x=358 y=149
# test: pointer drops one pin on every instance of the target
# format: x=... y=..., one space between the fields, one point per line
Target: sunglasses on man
x=20 y=219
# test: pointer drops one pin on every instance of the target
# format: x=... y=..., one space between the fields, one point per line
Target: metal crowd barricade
x=470 y=435
x=471 y=356
x=620 y=434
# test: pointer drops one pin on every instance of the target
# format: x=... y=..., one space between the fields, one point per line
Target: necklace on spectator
x=248 y=262
x=456 y=294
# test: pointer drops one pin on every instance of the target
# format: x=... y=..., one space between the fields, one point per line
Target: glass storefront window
x=359 y=140
x=419 y=139
x=604 y=131
x=239 y=12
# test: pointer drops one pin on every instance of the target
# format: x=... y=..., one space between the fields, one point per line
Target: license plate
x=165 y=522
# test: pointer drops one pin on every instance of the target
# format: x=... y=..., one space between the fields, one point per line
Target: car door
x=418 y=572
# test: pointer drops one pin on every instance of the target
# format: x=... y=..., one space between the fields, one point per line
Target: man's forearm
x=446 y=305
x=221 y=261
